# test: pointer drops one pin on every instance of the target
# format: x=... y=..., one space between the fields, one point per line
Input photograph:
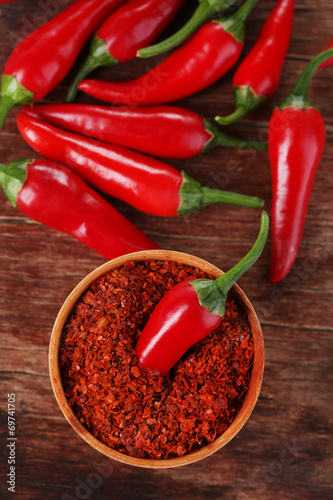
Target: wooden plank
x=284 y=450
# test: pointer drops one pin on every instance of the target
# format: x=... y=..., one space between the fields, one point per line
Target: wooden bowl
x=250 y=397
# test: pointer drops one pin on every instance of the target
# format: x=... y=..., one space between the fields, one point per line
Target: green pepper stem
x=239 y=112
x=205 y=11
x=242 y=13
x=227 y=280
x=246 y=100
x=6 y=105
x=13 y=177
x=214 y=196
x=89 y=65
x=299 y=94
x=234 y=24
x=194 y=196
x=218 y=138
x=98 y=56
x=12 y=94
x=212 y=294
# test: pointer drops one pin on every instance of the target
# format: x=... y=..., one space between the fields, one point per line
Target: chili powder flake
x=140 y=413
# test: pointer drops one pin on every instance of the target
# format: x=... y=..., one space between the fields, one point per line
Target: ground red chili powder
x=142 y=414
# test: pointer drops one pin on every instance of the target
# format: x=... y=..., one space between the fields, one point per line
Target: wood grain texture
x=284 y=451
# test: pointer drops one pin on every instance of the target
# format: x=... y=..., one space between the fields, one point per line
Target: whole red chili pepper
x=200 y=62
x=53 y=195
x=190 y=311
x=43 y=59
x=258 y=76
x=205 y=11
x=135 y=25
x=165 y=131
x=296 y=143
x=145 y=183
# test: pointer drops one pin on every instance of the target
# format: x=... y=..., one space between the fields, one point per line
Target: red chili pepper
x=205 y=11
x=132 y=27
x=165 y=131
x=296 y=143
x=44 y=58
x=53 y=195
x=143 y=182
x=258 y=76
x=204 y=58
x=190 y=311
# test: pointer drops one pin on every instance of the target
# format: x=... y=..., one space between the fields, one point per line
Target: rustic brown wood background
x=285 y=450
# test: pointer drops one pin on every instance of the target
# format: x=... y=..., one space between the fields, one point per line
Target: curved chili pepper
x=145 y=183
x=44 y=58
x=205 y=11
x=296 y=143
x=189 y=311
x=258 y=76
x=204 y=58
x=165 y=131
x=135 y=25
x=53 y=195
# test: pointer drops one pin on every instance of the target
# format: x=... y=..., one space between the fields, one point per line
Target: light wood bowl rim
x=249 y=400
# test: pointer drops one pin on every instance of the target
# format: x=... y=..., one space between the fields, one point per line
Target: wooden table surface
x=285 y=449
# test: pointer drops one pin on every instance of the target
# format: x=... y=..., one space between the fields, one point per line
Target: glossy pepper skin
x=295 y=145
x=197 y=64
x=145 y=183
x=43 y=59
x=206 y=10
x=132 y=27
x=258 y=76
x=51 y=194
x=177 y=322
x=165 y=131
x=190 y=311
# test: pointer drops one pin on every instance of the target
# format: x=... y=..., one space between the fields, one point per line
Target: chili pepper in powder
x=258 y=76
x=205 y=11
x=166 y=131
x=190 y=311
x=197 y=64
x=146 y=183
x=132 y=27
x=139 y=413
x=43 y=59
x=296 y=142
x=53 y=195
